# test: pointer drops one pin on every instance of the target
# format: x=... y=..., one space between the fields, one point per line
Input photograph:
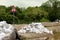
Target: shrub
x=44 y=20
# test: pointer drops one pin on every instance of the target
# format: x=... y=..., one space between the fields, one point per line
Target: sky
x=22 y=3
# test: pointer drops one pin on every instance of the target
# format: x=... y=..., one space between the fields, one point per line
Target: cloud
x=22 y=3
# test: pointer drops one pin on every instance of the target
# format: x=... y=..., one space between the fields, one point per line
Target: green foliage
x=48 y=11
x=2 y=9
x=44 y=20
x=9 y=18
x=52 y=7
x=53 y=15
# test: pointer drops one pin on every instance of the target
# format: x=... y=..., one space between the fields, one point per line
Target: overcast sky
x=22 y=3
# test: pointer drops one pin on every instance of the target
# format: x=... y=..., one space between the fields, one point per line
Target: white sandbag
x=36 y=28
x=6 y=31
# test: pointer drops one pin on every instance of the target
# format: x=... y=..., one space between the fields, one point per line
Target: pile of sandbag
x=35 y=28
x=6 y=31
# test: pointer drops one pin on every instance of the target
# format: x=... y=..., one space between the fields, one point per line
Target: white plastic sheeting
x=6 y=31
x=35 y=28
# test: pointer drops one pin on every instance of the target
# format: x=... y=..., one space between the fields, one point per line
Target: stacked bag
x=6 y=31
x=35 y=28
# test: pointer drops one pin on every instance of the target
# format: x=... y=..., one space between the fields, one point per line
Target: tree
x=51 y=6
x=53 y=15
x=2 y=9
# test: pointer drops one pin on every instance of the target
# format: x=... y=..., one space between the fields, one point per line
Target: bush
x=9 y=18
x=44 y=20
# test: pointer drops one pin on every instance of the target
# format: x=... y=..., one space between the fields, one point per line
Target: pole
x=13 y=11
x=13 y=17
